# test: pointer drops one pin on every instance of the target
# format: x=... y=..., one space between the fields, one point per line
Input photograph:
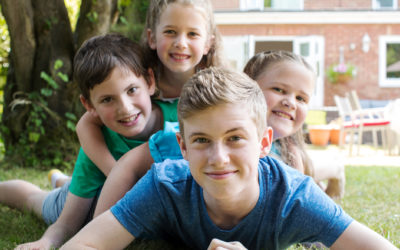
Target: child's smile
x=123 y=103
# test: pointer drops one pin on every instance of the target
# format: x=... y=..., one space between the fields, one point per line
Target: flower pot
x=334 y=136
x=343 y=78
x=319 y=135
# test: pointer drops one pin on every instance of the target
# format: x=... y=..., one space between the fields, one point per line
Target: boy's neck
x=227 y=213
x=170 y=84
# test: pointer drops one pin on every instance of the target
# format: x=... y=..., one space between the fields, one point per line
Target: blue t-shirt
x=167 y=203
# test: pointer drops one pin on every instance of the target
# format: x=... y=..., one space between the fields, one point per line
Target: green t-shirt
x=87 y=179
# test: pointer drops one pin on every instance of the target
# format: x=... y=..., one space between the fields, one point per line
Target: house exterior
x=364 y=33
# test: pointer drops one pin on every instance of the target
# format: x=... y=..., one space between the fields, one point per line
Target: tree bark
x=96 y=17
x=41 y=34
x=19 y=18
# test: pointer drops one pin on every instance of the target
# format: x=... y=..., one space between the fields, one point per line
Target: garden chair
x=355 y=119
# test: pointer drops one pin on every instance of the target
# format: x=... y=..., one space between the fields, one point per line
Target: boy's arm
x=70 y=221
x=358 y=236
x=128 y=170
x=217 y=244
x=103 y=232
x=92 y=141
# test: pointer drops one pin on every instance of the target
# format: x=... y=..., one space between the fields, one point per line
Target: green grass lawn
x=371 y=197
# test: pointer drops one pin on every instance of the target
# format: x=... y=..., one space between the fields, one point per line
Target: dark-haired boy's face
x=122 y=102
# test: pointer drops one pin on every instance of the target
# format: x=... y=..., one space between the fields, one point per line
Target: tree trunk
x=96 y=17
x=39 y=88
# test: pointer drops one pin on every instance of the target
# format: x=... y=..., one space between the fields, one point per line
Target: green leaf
x=71 y=125
x=34 y=137
x=123 y=20
x=46 y=92
x=49 y=80
x=70 y=116
x=58 y=64
x=63 y=76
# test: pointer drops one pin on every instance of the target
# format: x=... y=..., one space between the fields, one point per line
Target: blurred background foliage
x=129 y=20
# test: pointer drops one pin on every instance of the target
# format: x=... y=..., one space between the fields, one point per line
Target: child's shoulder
x=278 y=171
x=168 y=109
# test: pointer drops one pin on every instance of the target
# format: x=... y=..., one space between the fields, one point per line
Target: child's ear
x=88 y=106
x=266 y=142
x=209 y=44
x=151 y=82
x=182 y=144
x=151 y=39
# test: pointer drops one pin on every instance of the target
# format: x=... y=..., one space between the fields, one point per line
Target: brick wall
x=337 y=4
x=366 y=81
x=226 y=4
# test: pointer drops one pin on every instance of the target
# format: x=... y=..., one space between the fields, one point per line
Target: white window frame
x=301 y=7
x=376 y=6
x=252 y=5
x=383 y=80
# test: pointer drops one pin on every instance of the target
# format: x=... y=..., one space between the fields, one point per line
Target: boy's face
x=122 y=102
x=287 y=88
x=223 y=150
x=180 y=44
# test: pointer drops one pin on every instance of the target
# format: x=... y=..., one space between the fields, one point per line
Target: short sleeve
x=164 y=145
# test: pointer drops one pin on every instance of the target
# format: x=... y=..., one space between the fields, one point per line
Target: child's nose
x=181 y=41
x=219 y=155
x=125 y=105
x=289 y=101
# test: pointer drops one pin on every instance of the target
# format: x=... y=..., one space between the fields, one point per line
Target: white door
x=312 y=49
x=236 y=50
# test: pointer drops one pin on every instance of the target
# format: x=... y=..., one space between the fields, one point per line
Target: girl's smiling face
x=181 y=37
x=287 y=87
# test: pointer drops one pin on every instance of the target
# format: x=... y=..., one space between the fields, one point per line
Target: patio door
x=312 y=49
x=239 y=49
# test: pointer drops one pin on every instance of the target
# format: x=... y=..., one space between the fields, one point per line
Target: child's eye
x=301 y=99
x=169 y=32
x=276 y=89
x=132 y=90
x=201 y=140
x=106 y=100
x=193 y=34
x=235 y=138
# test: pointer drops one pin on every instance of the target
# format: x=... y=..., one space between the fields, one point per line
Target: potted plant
x=341 y=73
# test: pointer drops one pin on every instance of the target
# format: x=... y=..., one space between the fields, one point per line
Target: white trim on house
x=384 y=81
x=307 y=17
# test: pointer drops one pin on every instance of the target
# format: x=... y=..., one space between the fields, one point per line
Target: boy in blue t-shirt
x=225 y=192
x=116 y=87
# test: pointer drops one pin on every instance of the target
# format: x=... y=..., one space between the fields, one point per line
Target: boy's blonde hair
x=156 y=8
x=257 y=66
x=215 y=86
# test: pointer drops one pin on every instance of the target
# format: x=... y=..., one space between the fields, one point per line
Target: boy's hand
x=222 y=245
x=41 y=244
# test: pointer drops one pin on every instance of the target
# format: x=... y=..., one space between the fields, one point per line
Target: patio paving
x=368 y=155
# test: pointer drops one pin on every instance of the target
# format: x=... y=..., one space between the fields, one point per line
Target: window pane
x=287 y=4
x=385 y=3
x=305 y=49
x=393 y=60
